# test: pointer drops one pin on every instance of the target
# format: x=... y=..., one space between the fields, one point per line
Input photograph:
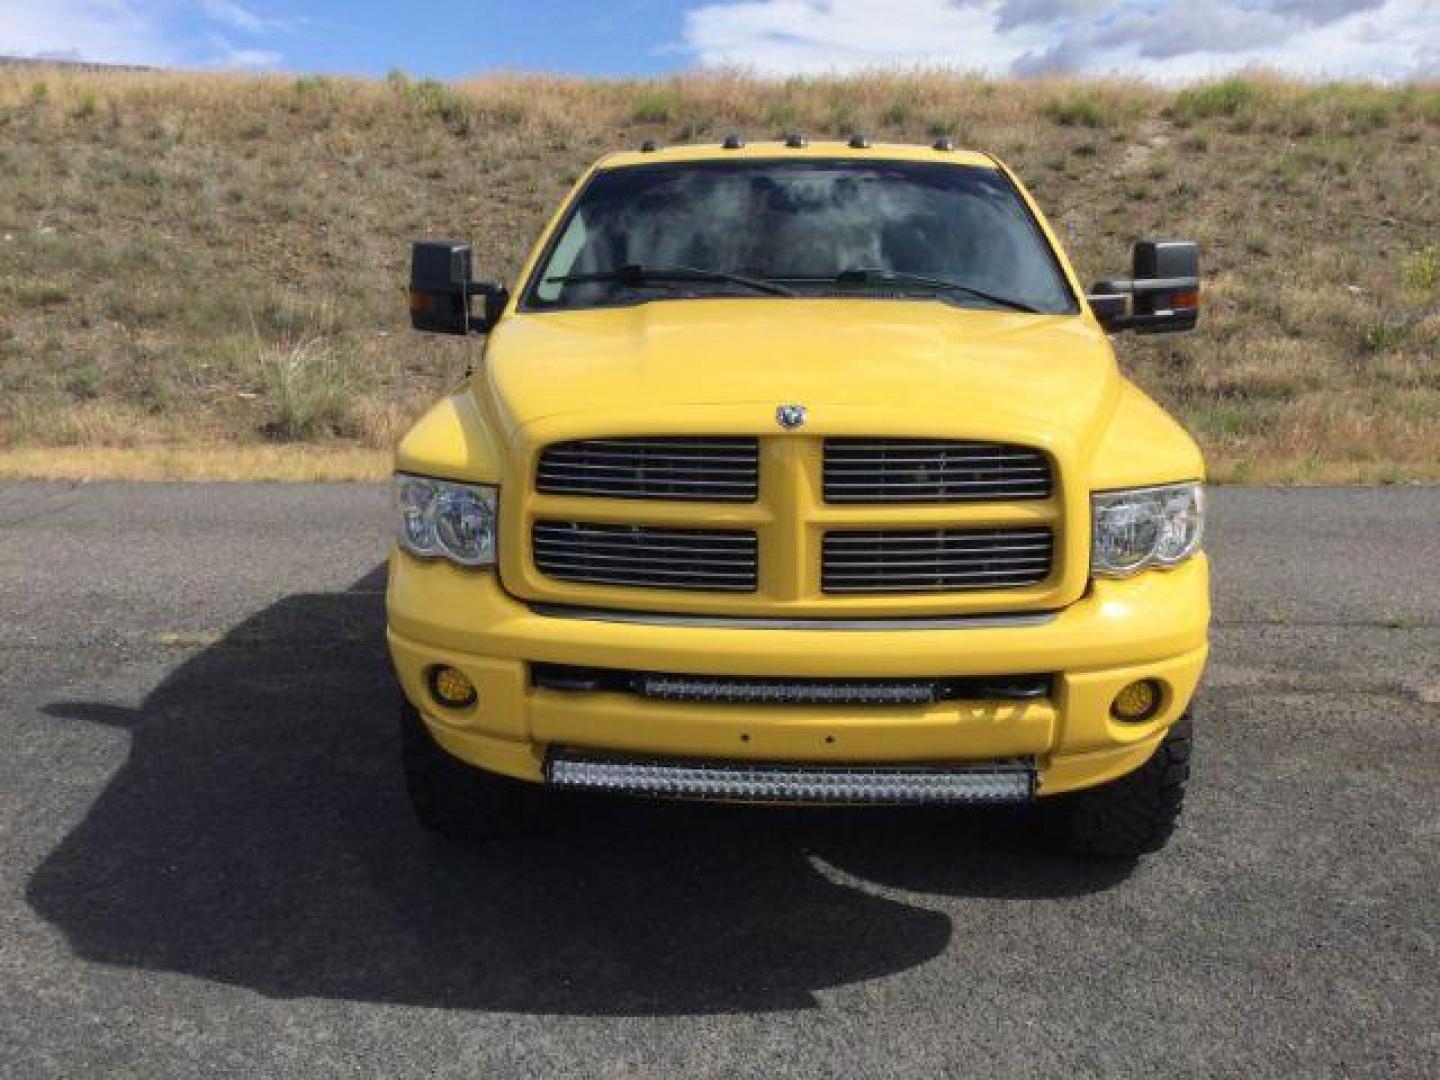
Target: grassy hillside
x=205 y=273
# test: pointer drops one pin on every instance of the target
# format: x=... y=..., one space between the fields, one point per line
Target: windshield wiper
x=635 y=274
x=900 y=277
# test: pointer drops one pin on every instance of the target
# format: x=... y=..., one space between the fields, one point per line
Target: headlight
x=441 y=519
x=1143 y=527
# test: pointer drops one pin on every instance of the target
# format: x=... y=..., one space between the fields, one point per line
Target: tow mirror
x=441 y=286
x=1161 y=296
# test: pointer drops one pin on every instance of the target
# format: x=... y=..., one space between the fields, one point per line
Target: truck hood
x=941 y=366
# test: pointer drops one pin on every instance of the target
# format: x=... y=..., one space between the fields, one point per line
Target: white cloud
x=811 y=36
x=237 y=58
x=163 y=33
x=114 y=31
x=1159 y=39
x=236 y=16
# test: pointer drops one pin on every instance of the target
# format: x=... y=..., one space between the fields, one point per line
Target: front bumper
x=1151 y=626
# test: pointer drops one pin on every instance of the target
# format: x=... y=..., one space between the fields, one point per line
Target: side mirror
x=441 y=286
x=1162 y=296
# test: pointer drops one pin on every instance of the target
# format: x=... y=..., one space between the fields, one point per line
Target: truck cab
x=795 y=472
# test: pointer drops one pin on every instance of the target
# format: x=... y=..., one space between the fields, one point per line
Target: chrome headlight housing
x=441 y=519
x=1137 y=528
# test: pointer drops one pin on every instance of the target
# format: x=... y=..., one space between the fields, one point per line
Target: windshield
x=955 y=233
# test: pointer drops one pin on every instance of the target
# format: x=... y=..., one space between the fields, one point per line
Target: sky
x=1164 y=40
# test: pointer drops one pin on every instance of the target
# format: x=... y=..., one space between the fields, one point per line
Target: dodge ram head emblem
x=790 y=416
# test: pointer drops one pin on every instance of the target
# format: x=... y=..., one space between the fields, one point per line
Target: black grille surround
x=868 y=470
x=734 y=690
x=645 y=556
x=690 y=468
x=936 y=560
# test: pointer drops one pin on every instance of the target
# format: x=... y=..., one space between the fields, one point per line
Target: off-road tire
x=1128 y=817
x=455 y=799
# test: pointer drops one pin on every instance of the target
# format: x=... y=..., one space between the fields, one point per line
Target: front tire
x=1131 y=816
x=455 y=799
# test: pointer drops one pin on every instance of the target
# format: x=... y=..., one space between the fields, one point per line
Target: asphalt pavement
x=209 y=866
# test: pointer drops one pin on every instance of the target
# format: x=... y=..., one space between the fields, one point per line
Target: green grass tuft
x=1422 y=269
x=1229 y=97
x=308 y=390
x=657 y=104
x=1079 y=110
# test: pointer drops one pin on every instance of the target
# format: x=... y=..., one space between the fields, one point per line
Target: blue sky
x=1161 y=39
x=453 y=39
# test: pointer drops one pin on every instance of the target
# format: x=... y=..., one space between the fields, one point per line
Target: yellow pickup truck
x=794 y=472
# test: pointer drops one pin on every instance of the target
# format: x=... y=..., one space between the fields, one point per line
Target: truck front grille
x=698 y=468
x=932 y=471
x=790 y=524
x=645 y=556
x=935 y=560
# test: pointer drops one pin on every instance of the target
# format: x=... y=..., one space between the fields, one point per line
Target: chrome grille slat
x=683 y=443
x=920 y=577
x=561 y=548
x=1024 y=474
x=901 y=588
x=658 y=467
x=945 y=458
x=886 y=447
x=935 y=483
x=585 y=558
x=911 y=500
x=914 y=552
x=629 y=493
x=900 y=538
x=699 y=480
x=584 y=472
x=588 y=572
x=860 y=470
x=949 y=560
x=700 y=466
x=645 y=556
x=577 y=454
x=960 y=567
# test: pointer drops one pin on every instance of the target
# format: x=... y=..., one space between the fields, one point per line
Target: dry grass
x=202 y=274
x=212 y=461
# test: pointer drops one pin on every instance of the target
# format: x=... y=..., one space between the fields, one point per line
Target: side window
x=562 y=260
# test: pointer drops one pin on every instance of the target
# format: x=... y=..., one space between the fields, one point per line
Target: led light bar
x=1000 y=782
x=788 y=692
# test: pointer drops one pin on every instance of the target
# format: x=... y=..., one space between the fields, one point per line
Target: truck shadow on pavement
x=258 y=835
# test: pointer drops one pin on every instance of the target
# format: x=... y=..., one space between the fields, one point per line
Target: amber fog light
x=1138 y=701
x=450 y=687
